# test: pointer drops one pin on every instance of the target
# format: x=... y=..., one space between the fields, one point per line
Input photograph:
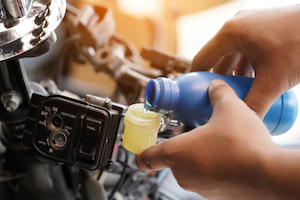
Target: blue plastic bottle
x=186 y=98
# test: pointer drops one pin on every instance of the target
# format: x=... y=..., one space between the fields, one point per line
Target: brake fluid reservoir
x=141 y=128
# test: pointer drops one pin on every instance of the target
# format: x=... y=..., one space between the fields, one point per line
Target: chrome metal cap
x=17 y=8
x=22 y=32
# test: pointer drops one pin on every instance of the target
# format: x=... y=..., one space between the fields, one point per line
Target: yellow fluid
x=136 y=141
x=144 y=114
x=139 y=135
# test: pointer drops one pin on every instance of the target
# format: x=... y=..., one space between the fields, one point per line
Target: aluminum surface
x=23 y=34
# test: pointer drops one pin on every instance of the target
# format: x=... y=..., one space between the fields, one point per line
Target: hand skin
x=230 y=157
x=233 y=156
x=264 y=40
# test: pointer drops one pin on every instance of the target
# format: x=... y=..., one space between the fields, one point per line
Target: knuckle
x=216 y=89
x=148 y=164
x=227 y=104
x=230 y=25
x=223 y=96
x=235 y=26
x=241 y=12
x=145 y=164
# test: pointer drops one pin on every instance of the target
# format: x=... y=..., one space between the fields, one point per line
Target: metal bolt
x=11 y=100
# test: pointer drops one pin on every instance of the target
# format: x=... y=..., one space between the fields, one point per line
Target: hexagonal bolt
x=11 y=100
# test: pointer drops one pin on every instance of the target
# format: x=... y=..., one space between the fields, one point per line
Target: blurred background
x=175 y=26
x=179 y=27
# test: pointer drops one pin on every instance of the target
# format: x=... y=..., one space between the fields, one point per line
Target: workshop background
x=176 y=26
x=179 y=27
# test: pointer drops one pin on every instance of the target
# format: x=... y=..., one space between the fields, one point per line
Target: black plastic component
x=91 y=133
x=71 y=131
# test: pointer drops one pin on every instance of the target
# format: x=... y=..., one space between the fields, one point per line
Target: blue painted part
x=186 y=98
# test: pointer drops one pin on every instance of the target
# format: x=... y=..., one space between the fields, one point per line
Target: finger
x=228 y=64
x=152 y=158
x=244 y=67
x=262 y=94
x=229 y=108
x=219 y=90
x=212 y=53
x=168 y=153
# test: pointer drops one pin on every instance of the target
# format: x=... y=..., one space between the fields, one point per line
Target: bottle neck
x=161 y=95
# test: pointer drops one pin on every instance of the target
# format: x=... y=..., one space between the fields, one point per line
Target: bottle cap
x=161 y=95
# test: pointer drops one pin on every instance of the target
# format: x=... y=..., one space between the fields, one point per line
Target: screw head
x=11 y=100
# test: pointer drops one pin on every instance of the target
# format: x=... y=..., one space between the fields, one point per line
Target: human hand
x=222 y=158
x=266 y=41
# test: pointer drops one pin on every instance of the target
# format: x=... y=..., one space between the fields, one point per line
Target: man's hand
x=223 y=158
x=266 y=41
x=233 y=155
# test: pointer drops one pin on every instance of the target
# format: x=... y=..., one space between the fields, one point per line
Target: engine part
x=17 y=8
x=11 y=100
x=95 y=24
x=14 y=92
x=25 y=25
x=165 y=61
x=75 y=132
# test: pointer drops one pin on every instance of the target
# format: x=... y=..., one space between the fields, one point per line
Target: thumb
x=218 y=90
x=229 y=110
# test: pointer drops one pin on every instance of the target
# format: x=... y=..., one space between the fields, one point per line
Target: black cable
x=123 y=163
x=120 y=181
